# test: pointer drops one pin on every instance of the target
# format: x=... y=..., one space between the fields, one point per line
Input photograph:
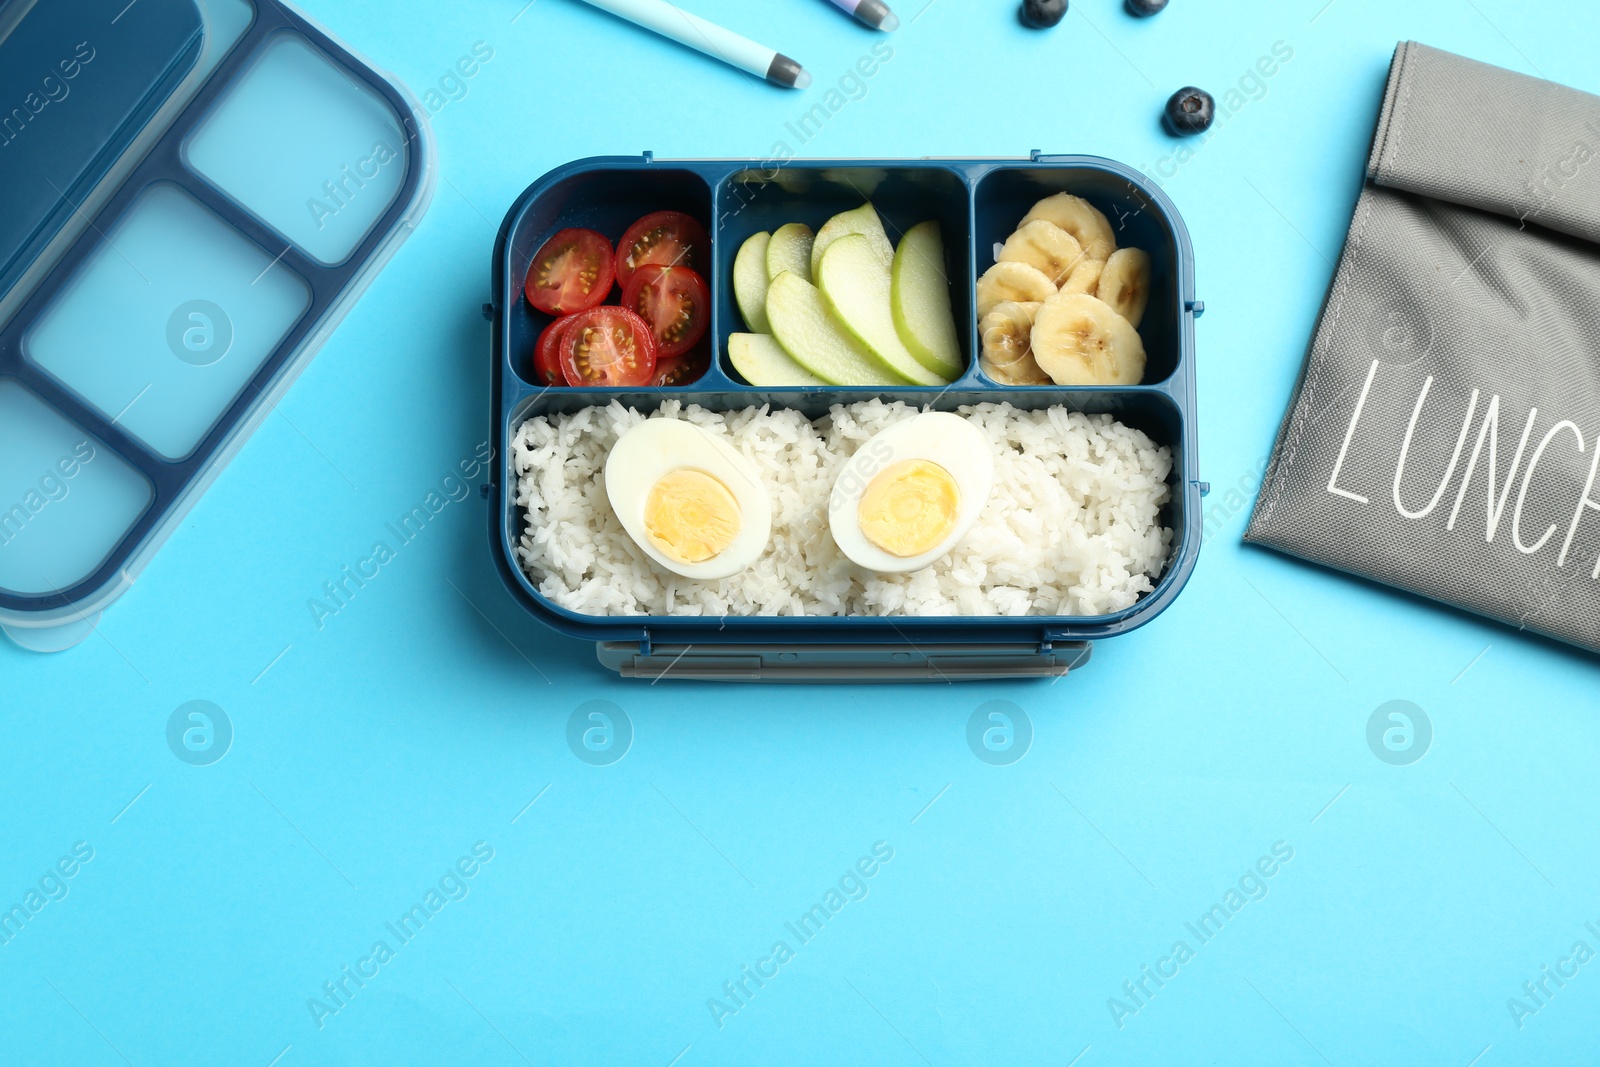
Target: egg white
x=655 y=448
x=936 y=436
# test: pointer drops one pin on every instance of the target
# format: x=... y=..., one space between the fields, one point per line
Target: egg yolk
x=909 y=507
x=690 y=516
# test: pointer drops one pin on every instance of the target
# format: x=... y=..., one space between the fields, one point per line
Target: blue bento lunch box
x=977 y=202
x=195 y=192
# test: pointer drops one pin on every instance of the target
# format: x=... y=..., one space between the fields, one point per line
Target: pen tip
x=802 y=80
x=890 y=23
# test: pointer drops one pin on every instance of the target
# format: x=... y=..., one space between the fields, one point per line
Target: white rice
x=1071 y=528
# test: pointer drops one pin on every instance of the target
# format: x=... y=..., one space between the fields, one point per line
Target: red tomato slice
x=676 y=304
x=665 y=238
x=547 y=353
x=608 y=346
x=681 y=370
x=572 y=272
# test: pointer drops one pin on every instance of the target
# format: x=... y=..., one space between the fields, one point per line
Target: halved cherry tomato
x=547 y=353
x=676 y=304
x=665 y=238
x=681 y=370
x=607 y=346
x=573 y=271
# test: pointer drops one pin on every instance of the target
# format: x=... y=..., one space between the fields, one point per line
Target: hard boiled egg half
x=688 y=499
x=911 y=493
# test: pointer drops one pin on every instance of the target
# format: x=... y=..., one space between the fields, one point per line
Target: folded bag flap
x=1465 y=132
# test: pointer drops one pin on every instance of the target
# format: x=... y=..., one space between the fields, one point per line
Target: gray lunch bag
x=1444 y=436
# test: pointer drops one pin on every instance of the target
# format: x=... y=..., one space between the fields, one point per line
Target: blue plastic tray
x=199 y=190
x=978 y=203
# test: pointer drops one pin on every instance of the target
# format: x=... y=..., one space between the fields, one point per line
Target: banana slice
x=1079 y=218
x=1023 y=372
x=1086 y=278
x=1125 y=283
x=1078 y=339
x=1015 y=282
x=1005 y=333
x=1046 y=246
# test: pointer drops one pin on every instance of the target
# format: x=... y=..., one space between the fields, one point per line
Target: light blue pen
x=708 y=37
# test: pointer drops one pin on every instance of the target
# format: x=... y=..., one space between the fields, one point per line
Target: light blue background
x=371 y=754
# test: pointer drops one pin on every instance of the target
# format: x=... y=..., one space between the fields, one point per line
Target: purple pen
x=874 y=13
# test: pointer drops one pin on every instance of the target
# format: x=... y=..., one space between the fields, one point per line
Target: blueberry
x=1042 y=14
x=1189 y=110
x=1145 y=8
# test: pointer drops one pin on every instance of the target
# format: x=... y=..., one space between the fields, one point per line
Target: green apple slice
x=761 y=360
x=919 y=297
x=864 y=221
x=800 y=323
x=790 y=249
x=855 y=286
x=750 y=281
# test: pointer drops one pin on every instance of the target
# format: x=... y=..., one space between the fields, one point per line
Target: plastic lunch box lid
x=142 y=120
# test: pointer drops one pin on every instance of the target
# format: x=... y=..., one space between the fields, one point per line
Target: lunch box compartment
x=608 y=202
x=1150 y=411
x=332 y=180
x=977 y=203
x=759 y=199
x=165 y=346
x=1003 y=197
x=66 y=500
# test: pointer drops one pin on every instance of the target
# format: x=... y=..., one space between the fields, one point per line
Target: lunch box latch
x=855 y=663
